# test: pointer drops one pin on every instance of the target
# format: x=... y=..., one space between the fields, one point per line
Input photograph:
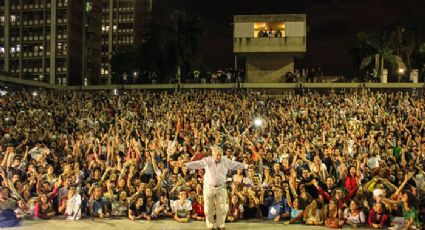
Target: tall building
x=122 y=25
x=67 y=42
x=42 y=39
x=269 y=43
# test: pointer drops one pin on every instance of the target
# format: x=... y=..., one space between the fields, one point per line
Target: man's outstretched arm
x=234 y=165
x=196 y=164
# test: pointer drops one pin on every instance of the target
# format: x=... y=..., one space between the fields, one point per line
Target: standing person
x=215 y=192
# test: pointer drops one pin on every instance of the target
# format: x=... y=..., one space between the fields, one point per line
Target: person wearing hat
x=215 y=192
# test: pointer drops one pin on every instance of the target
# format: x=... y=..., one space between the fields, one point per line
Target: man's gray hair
x=217 y=149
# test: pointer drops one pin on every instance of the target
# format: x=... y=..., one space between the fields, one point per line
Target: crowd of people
x=325 y=159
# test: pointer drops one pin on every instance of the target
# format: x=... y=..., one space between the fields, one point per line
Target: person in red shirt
x=198 y=208
x=378 y=217
x=352 y=180
x=338 y=194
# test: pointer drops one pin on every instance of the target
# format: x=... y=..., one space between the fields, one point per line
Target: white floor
x=123 y=224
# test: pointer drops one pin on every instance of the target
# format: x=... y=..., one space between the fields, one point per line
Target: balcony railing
x=260 y=45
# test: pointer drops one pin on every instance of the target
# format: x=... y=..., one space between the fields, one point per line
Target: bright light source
x=135 y=73
x=258 y=122
x=35 y=93
x=401 y=71
x=115 y=92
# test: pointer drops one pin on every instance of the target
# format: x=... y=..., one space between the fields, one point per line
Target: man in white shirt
x=73 y=204
x=215 y=192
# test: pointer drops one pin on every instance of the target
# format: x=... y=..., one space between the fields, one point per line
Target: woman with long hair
x=333 y=215
x=44 y=208
x=378 y=218
x=353 y=215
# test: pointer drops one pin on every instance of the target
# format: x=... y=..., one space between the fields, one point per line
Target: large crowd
x=325 y=159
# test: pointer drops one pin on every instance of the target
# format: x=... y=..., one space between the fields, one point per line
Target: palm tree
x=375 y=50
x=404 y=41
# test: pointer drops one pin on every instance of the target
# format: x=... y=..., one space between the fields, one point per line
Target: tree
x=405 y=43
x=375 y=50
x=125 y=61
x=169 y=44
x=183 y=43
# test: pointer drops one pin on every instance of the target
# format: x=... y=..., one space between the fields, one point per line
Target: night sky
x=332 y=25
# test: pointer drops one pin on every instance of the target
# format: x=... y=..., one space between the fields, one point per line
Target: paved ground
x=124 y=224
x=150 y=225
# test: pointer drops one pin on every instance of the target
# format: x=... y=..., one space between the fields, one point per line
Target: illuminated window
x=269 y=29
x=12 y=18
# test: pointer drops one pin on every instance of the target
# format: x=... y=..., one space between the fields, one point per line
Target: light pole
x=83 y=73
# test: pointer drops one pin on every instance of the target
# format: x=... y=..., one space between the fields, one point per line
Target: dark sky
x=332 y=25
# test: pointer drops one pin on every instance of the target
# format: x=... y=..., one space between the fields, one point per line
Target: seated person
x=138 y=211
x=333 y=215
x=71 y=204
x=296 y=211
x=353 y=215
x=378 y=217
x=98 y=205
x=181 y=208
x=44 y=208
x=235 y=210
x=277 y=205
x=313 y=214
x=162 y=207
x=198 y=208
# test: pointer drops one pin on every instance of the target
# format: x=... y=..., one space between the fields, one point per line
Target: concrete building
x=43 y=39
x=122 y=25
x=269 y=43
x=67 y=42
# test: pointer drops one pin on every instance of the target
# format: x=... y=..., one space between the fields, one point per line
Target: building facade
x=67 y=42
x=43 y=40
x=269 y=43
x=122 y=25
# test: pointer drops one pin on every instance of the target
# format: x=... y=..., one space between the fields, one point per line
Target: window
x=269 y=29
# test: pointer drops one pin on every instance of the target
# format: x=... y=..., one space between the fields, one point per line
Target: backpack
x=8 y=218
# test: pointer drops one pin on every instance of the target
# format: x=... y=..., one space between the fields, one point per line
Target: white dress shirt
x=215 y=173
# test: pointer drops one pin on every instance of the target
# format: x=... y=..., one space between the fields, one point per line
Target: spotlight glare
x=35 y=93
x=258 y=122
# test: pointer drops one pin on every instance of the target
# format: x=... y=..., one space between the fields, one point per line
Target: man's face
x=4 y=194
x=15 y=178
x=182 y=195
x=216 y=155
x=330 y=182
x=277 y=194
x=306 y=174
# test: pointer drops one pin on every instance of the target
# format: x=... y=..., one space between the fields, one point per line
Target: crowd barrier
x=219 y=86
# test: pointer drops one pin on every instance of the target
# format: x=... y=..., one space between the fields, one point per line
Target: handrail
x=220 y=85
